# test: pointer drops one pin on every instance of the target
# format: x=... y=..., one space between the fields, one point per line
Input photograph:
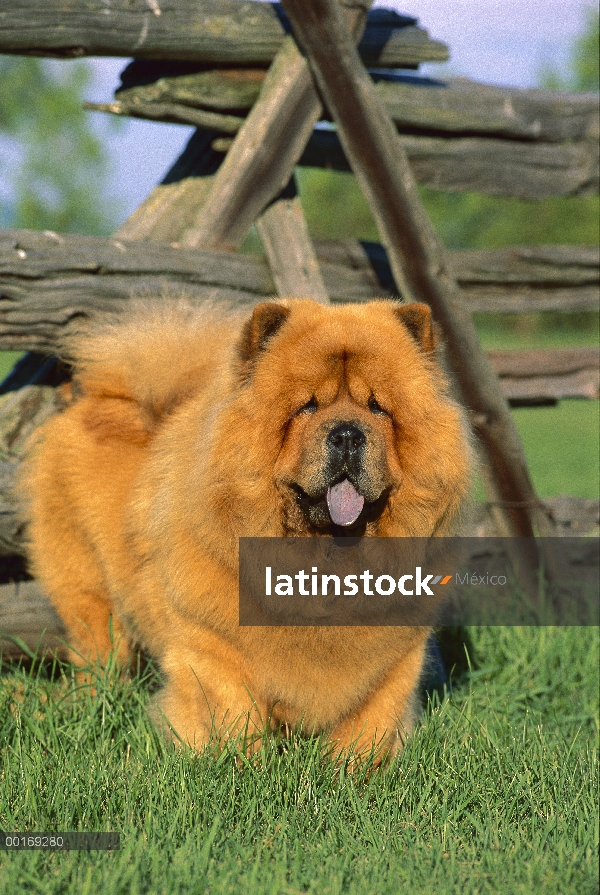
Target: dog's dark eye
x=310 y=406
x=375 y=407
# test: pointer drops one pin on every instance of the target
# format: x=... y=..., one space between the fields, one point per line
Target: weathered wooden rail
x=544 y=376
x=217 y=31
x=415 y=104
x=48 y=281
x=229 y=32
x=495 y=166
x=457 y=134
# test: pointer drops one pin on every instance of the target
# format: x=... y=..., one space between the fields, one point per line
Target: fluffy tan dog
x=193 y=428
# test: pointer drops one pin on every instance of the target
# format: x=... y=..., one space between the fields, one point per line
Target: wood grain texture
x=261 y=161
x=217 y=31
x=48 y=282
x=431 y=106
x=537 y=377
x=493 y=166
x=458 y=135
x=27 y=618
x=289 y=250
x=260 y=164
x=21 y=412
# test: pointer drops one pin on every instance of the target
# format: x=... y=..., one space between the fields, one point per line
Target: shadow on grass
x=449 y=660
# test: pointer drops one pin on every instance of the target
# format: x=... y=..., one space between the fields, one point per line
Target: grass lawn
x=7 y=361
x=561 y=444
x=495 y=792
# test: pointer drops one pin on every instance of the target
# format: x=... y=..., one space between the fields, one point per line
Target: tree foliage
x=52 y=164
x=586 y=61
x=584 y=68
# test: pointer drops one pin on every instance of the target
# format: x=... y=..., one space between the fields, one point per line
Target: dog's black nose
x=346 y=441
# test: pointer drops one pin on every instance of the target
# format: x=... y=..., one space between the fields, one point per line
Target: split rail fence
x=261 y=106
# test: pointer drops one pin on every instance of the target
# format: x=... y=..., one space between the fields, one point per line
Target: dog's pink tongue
x=344 y=503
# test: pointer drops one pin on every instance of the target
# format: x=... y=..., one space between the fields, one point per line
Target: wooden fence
x=232 y=70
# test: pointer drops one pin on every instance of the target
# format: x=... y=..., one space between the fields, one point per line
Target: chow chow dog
x=192 y=427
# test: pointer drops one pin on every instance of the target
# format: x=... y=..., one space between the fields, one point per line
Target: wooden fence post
x=288 y=248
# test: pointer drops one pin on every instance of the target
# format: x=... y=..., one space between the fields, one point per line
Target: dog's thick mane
x=156 y=354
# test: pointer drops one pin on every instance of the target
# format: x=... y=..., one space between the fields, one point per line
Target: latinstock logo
x=384 y=585
x=407 y=581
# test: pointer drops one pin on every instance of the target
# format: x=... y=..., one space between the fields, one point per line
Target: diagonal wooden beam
x=289 y=250
x=417 y=255
x=261 y=160
x=217 y=209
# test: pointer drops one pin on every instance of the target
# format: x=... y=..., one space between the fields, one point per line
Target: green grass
x=561 y=444
x=7 y=361
x=495 y=792
x=533 y=331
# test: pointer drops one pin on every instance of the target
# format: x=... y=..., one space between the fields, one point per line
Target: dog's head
x=348 y=397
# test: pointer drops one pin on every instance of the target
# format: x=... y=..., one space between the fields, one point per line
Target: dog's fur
x=191 y=428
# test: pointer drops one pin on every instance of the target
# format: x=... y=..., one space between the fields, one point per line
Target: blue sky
x=500 y=41
x=493 y=41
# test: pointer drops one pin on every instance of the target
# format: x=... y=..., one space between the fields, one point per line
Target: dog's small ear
x=266 y=319
x=418 y=321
